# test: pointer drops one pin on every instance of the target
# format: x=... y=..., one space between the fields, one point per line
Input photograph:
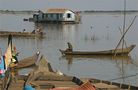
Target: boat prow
x=132 y=47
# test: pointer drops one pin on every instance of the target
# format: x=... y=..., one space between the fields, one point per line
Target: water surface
x=95 y=32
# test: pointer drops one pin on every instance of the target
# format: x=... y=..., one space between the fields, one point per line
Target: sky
x=71 y=4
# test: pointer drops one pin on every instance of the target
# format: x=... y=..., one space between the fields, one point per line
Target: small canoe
x=124 y=51
x=26 y=62
x=21 y=34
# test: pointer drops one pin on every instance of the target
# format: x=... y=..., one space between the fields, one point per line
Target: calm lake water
x=97 y=31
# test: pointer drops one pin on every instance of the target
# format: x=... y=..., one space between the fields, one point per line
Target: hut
x=57 y=15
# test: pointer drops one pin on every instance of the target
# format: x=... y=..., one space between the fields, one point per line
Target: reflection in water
x=100 y=57
x=121 y=63
x=125 y=58
x=69 y=32
x=66 y=32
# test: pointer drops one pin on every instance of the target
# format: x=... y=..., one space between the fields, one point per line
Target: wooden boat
x=86 y=86
x=22 y=34
x=26 y=62
x=44 y=78
x=124 y=51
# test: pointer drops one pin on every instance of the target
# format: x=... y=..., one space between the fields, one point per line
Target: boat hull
x=124 y=51
x=21 y=34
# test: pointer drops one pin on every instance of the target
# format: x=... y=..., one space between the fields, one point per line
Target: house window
x=46 y=16
x=60 y=15
x=51 y=15
x=68 y=15
x=43 y=16
x=57 y=16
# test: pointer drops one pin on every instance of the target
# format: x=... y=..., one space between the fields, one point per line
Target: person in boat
x=70 y=48
x=33 y=31
x=40 y=31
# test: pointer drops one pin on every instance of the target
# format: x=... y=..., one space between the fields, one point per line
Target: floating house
x=57 y=16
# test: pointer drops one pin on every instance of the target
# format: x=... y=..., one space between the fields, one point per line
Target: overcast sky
x=71 y=4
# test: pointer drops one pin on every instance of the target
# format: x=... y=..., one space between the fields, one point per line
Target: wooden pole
x=124 y=23
x=124 y=34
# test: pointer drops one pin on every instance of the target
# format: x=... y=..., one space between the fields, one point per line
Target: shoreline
x=85 y=11
x=17 y=12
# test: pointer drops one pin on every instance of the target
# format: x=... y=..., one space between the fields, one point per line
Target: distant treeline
x=115 y=11
x=86 y=11
x=18 y=12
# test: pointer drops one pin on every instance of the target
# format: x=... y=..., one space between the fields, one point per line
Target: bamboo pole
x=124 y=39
x=124 y=34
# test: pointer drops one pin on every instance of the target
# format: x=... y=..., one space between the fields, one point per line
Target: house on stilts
x=57 y=16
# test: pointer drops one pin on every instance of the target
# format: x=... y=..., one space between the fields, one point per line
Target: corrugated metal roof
x=56 y=10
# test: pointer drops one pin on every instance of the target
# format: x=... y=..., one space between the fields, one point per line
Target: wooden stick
x=122 y=34
x=125 y=34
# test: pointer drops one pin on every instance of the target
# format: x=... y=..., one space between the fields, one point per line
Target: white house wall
x=72 y=16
